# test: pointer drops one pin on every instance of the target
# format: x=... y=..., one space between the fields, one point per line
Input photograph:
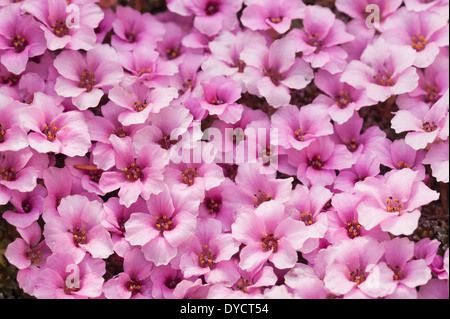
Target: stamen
x=418 y=42
x=60 y=28
x=189 y=176
x=207 y=258
x=18 y=43
x=213 y=205
x=353 y=229
x=261 y=197
x=393 y=205
x=429 y=127
x=50 y=131
x=163 y=223
x=87 y=80
x=8 y=174
x=269 y=242
x=316 y=162
x=133 y=173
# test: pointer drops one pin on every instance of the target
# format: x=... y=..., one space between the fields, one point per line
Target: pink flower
x=78 y=229
x=82 y=78
x=320 y=38
x=384 y=70
x=214 y=206
x=316 y=164
x=437 y=6
x=165 y=279
x=426 y=33
x=20 y=39
x=59 y=29
x=270 y=73
x=28 y=254
x=305 y=283
x=209 y=253
x=268 y=233
x=393 y=202
x=408 y=273
x=132 y=28
x=136 y=174
x=13 y=137
x=213 y=16
x=65 y=278
x=134 y=282
x=341 y=99
x=438 y=158
x=266 y=14
x=219 y=98
x=354 y=269
x=170 y=222
x=423 y=124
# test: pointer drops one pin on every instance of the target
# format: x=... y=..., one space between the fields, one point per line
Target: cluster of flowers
x=111 y=91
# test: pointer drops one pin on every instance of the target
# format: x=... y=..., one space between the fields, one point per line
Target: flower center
x=2 y=133
x=269 y=242
x=231 y=172
x=402 y=164
x=8 y=174
x=307 y=218
x=69 y=290
x=300 y=134
x=18 y=43
x=384 y=79
x=358 y=276
x=315 y=162
x=121 y=222
x=163 y=223
x=267 y=156
x=33 y=255
x=216 y=101
x=50 y=131
x=343 y=99
x=60 y=28
x=11 y=78
x=242 y=284
x=131 y=36
x=240 y=65
x=119 y=132
x=134 y=286
x=172 y=283
x=79 y=236
x=95 y=176
x=352 y=145
x=393 y=205
x=432 y=92
x=186 y=86
x=26 y=206
x=261 y=197
x=398 y=273
x=172 y=53
x=353 y=229
x=238 y=135
x=429 y=127
x=207 y=258
x=189 y=176
x=166 y=143
x=274 y=75
x=313 y=40
x=211 y=8
x=140 y=106
x=275 y=20
x=87 y=80
x=418 y=42
x=133 y=172
x=213 y=205
x=144 y=70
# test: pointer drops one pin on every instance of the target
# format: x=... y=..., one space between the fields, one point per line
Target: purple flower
x=266 y=14
x=78 y=229
x=60 y=30
x=393 y=202
x=134 y=282
x=20 y=39
x=82 y=78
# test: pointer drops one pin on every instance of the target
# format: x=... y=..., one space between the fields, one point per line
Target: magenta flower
x=65 y=278
x=423 y=124
x=219 y=98
x=132 y=28
x=209 y=253
x=213 y=16
x=138 y=100
x=320 y=38
x=299 y=128
x=53 y=130
x=266 y=14
x=28 y=207
x=170 y=222
x=407 y=272
x=270 y=73
x=438 y=158
x=316 y=164
x=136 y=174
x=134 y=282
x=384 y=70
x=165 y=279
x=29 y=254
x=354 y=269
x=61 y=29
x=343 y=222
x=341 y=99
x=393 y=202
x=254 y=189
x=268 y=233
x=20 y=39
x=426 y=33
x=82 y=78
x=78 y=229
x=214 y=206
